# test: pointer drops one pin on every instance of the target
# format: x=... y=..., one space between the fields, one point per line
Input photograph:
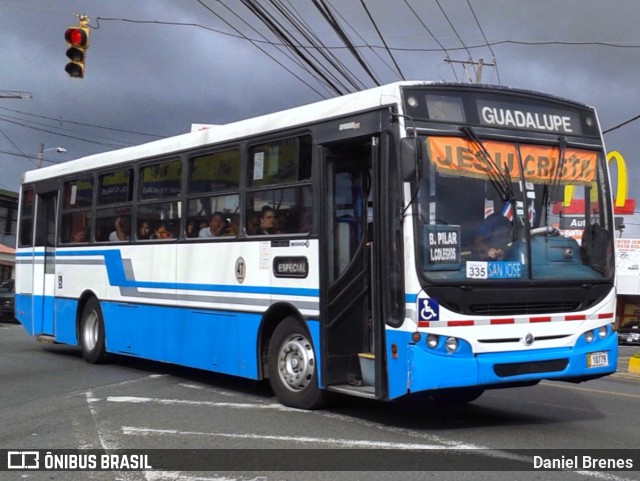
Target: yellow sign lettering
x=623 y=186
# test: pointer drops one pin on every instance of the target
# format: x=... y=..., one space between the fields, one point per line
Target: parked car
x=629 y=333
x=7 y=297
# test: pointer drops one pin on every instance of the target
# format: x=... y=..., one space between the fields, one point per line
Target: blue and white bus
x=414 y=237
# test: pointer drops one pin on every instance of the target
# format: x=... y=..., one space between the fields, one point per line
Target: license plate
x=597 y=359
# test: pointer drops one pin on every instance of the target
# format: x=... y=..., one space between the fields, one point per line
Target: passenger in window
x=282 y=223
x=144 y=230
x=494 y=237
x=79 y=236
x=192 y=229
x=121 y=232
x=218 y=226
x=161 y=232
x=268 y=221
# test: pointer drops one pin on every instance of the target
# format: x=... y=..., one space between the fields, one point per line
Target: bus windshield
x=495 y=211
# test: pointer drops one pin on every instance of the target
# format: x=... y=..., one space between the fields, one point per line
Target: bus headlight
x=451 y=344
x=432 y=341
x=588 y=336
x=602 y=332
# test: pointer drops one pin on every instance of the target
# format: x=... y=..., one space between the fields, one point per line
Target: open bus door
x=350 y=335
x=44 y=278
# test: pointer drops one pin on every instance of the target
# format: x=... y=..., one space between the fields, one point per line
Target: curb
x=626 y=375
x=634 y=365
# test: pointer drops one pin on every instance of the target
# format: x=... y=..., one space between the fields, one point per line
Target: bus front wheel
x=293 y=373
x=92 y=341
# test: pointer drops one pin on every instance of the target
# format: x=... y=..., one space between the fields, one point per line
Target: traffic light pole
x=14 y=94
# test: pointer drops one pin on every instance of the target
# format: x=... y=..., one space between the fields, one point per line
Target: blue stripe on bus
x=410 y=298
x=118 y=278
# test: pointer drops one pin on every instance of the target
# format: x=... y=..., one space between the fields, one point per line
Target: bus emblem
x=528 y=339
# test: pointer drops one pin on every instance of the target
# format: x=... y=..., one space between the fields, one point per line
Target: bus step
x=368 y=392
x=46 y=339
x=367 y=368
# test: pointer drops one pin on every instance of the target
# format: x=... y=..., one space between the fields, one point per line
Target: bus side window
x=75 y=227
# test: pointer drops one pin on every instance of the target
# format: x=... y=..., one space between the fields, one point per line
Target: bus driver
x=493 y=238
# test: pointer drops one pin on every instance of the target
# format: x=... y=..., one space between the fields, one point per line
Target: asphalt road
x=51 y=399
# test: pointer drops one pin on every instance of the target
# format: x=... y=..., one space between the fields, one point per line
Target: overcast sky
x=145 y=74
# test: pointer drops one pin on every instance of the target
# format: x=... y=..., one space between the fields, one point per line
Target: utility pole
x=479 y=64
x=40 y=156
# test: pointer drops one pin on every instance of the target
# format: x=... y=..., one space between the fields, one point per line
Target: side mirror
x=410 y=158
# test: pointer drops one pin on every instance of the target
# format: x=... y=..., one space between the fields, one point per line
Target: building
x=8 y=222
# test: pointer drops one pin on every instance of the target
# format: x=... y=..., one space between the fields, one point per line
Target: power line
x=381 y=47
x=283 y=32
x=621 y=125
x=485 y=39
x=10 y=141
x=382 y=38
x=61 y=120
x=355 y=31
x=316 y=42
x=442 y=47
x=453 y=28
x=62 y=135
x=30 y=158
x=256 y=43
x=32 y=123
x=326 y=13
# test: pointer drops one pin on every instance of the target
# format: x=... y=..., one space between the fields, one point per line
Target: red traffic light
x=77 y=36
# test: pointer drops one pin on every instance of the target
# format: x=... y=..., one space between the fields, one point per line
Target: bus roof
x=303 y=115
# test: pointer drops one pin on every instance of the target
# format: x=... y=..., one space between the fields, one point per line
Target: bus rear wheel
x=293 y=372
x=92 y=341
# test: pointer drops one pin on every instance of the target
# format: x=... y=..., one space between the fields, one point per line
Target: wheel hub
x=296 y=363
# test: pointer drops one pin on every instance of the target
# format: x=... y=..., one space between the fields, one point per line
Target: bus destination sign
x=441 y=247
x=530 y=117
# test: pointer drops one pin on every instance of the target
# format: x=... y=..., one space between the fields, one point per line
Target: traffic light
x=77 y=38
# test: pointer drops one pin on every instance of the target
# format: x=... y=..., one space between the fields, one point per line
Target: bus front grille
x=535 y=367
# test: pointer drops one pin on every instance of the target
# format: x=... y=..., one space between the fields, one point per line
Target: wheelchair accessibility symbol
x=428 y=310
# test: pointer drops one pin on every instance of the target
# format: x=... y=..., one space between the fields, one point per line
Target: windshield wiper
x=500 y=181
x=555 y=182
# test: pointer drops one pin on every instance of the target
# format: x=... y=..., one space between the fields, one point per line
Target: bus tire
x=293 y=373
x=92 y=341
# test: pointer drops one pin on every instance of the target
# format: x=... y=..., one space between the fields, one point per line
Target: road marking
x=180 y=476
x=183 y=402
x=434 y=442
x=598 y=391
x=94 y=414
x=347 y=443
x=199 y=387
x=118 y=384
